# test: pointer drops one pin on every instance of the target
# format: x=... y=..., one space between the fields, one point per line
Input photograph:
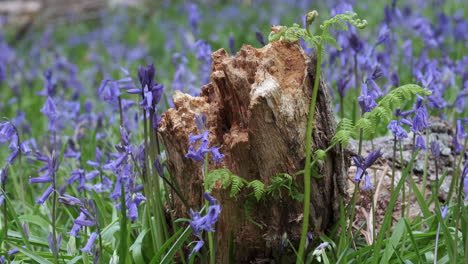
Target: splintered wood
x=257 y=107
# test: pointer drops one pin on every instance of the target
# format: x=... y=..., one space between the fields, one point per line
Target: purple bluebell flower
x=51 y=242
x=421 y=117
x=363 y=164
x=7 y=131
x=12 y=252
x=4 y=174
x=199 y=223
x=199 y=244
x=384 y=35
x=203 y=54
x=444 y=211
x=109 y=91
x=460 y=129
x=322 y=246
x=50 y=110
x=232 y=45
x=194 y=17
x=435 y=149
x=90 y=243
x=420 y=143
x=397 y=130
x=260 y=38
x=367 y=183
x=45 y=195
x=42 y=179
x=70 y=200
x=366 y=101
x=355 y=43
x=76 y=227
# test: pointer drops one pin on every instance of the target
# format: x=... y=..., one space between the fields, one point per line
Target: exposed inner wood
x=257 y=107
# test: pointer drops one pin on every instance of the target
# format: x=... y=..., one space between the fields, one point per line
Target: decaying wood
x=257 y=107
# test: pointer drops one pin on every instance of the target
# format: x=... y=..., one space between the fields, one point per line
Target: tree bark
x=257 y=107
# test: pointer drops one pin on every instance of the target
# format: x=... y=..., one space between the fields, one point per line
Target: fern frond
x=258 y=189
x=213 y=176
x=345 y=131
x=236 y=185
x=383 y=113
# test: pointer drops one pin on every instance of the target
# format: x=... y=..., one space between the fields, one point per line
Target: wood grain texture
x=257 y=106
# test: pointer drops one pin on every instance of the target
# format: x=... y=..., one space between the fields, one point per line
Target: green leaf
x=136 y=248
x=259 y=189
x=169 y=257
x=394 y=240
x=29 y=253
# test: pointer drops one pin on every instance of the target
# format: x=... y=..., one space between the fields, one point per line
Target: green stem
x=459 y=202
x=426 y=165
x=210 y=235
x=307 y=172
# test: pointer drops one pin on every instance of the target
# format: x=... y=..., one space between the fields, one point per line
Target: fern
x=237 y=184
x=383 y=112
x=345 y=132
x=258 y=189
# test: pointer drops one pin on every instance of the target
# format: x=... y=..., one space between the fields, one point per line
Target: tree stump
x=257 y=106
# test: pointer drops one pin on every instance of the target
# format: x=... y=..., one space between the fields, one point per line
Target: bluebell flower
x=460 y=129
x=150 y=89
x=397 y=130
x=70 y=200
x=421 y=117
x=420 y=143
x=194 y=17
x=45 y=195
x=444 y=211
x=260 y=38
x=363 y=164
x=90 y=243
x=384 y=35
x=4 y=174
x=199 y=244
x=200 y=223
x=435 y=149
x=203 y=54
x=232 y=45
x=7 y=131
x=50 y=110
x=367 y=183
x=366 y=101
x=51 y=242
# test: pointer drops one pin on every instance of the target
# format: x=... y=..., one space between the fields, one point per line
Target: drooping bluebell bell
x=194 y=17
x=435 y=149
x=260 y=38
x=366 y=101
x=363 y=164
x=203 y=54
x=198 y=245
x=50 y=110
x=200 y=223
x=4 y=174
x=203 y=149
x=421 y=117
x=367 y=183
x=51 y=242
x=420 y=143
x=397 y=130
x=89 y=245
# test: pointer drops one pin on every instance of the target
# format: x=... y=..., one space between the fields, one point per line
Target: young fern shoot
x=318 y=42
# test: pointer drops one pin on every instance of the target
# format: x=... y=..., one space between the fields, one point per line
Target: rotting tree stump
x=257 y=107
